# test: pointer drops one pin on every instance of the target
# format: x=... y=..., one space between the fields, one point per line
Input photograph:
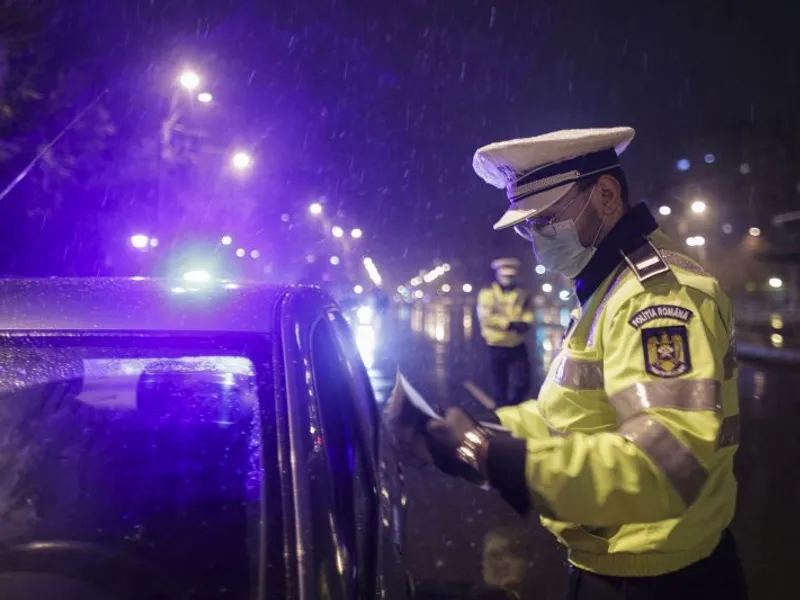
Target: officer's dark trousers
x=511 y=373
x=719 y=576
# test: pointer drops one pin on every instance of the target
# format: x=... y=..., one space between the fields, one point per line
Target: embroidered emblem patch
x=666 y=351
x=660 y=311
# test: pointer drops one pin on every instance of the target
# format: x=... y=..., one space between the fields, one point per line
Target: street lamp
x=698 y=207
x=204 y=97
x=226 y=240
x=547 y=288
x=755 y=231
x=466 y=288
x=315 y=208
x=775 y=282
x=189 y=80
x=241 y=161
x=337 y=231
x=140 y=241
x=665 y=210
x=356 y=233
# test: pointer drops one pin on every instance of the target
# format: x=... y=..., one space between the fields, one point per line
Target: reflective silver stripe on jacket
x=655 y=439
x=577 y=374
x=683 y=394
x=683 y=470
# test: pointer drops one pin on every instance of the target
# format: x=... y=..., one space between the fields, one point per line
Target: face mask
x=506 y=281
x=561 y=250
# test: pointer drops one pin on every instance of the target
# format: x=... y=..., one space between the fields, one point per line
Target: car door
x=342 y=477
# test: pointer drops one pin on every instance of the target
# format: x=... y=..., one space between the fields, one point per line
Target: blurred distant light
x=547 y=288
x=337 y=231
x=231 y=286
x=466 y=288
x=401 y=289
x=540 y=270
x=372 y=271
x=446 y=288
x=683 y=164
x=365 y=314
x=418 y=294
x=242 y=160
x=356 y=233
x=227 y=240
x=310 y=258
x=154 y=242
x=665 y=210
x=197 y=276
x=204 y=97
x=727 y=228
x=744 y=168
x=139 y=241
x=698 y=207
x=285 y=217
x=754 y=231
x=335 y=260
x=564 y=294
x=189 y=80
x=709 y=158
x=446 y=267
x=696 y=240
x=138 y=278
x=178 y=290
x=775 y=282
x=240 y=252
x=315 y=208
x=358 y=289
x=255 y=254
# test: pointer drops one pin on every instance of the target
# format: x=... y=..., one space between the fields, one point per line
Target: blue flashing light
x=709 y=158
x=683 y=164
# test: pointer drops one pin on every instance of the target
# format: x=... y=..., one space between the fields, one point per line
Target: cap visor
x=531 y=206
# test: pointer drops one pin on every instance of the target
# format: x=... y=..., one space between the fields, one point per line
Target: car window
x=348 y=454
x=139 y=447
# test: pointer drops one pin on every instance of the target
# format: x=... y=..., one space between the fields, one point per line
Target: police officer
x=627 y=457
x=505 y=313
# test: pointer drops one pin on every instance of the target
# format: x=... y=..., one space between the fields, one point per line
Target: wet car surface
x=207 y=442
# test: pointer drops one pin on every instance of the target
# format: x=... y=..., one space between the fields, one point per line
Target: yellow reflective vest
x=497 y=308
x=628 y=453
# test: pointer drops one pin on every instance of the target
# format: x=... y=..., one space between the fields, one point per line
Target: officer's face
x=602 y=213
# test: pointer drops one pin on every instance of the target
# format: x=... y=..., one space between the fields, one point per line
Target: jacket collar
x=627 y=235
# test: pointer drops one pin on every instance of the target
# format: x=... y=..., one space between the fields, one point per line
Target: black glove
x=519 y=326
x=457 y=445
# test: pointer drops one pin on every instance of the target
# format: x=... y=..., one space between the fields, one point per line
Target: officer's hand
x=444 y=439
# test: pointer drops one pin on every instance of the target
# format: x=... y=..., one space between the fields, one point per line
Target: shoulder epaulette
x=646 y=262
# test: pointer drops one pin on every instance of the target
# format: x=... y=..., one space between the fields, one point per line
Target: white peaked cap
x=537 y=172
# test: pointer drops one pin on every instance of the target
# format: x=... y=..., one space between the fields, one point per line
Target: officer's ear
x=609 y=195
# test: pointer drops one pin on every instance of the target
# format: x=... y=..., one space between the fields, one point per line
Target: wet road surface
x=439 y=349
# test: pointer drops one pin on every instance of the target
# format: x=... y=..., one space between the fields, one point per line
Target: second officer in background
x=505 y=313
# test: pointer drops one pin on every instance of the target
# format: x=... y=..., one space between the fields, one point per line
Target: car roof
x=139 y=304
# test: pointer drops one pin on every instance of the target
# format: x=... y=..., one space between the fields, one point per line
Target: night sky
x=380 y=105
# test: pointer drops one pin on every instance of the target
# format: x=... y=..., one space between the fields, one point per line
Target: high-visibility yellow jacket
x=497 y=308
x=628 y=453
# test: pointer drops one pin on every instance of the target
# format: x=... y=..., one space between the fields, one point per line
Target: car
x=173 y=440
